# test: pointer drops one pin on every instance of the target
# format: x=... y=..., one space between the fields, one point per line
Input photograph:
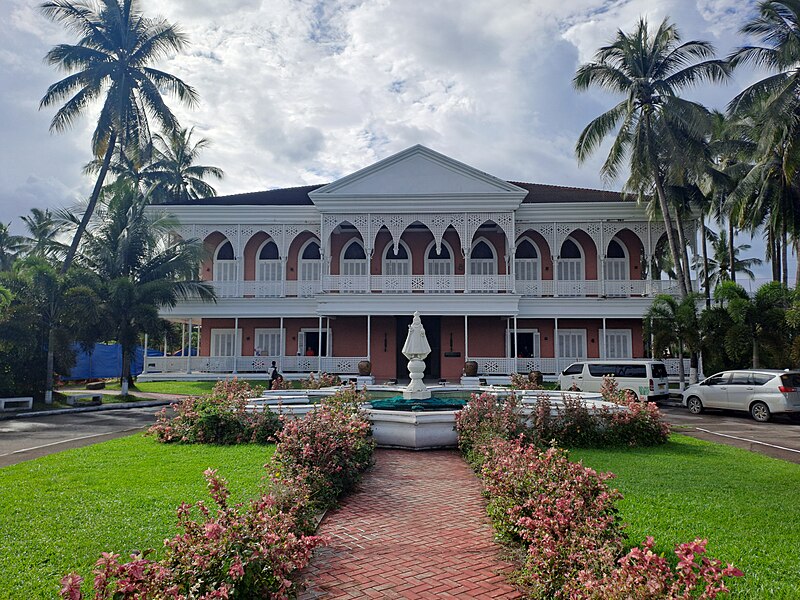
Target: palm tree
x=42 y=231
x=719 y=268
x=674 y=324
x=756 y=319
x=111 y=60
x=173 y=173
x=776 y=101
x=10 y=247
x=657 y=131
x=142 y=266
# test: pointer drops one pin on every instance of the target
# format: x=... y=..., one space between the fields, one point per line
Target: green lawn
x=744 y=503
x=59 y=512
x=186 y=388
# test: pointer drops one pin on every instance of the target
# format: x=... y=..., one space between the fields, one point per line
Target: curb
x=81 y=409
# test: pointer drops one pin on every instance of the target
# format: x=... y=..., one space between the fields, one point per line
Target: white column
x=198 y=339
x=165 y=345
x=183 y=344
x=237 y=344
x=516 y=344
x=319 y=346
x=189 y=355
x=144 y=355
x=603 y=342
x=283 y=346
x=283 y=281
x=328 y=340
x=466 y=337
x=369 y=337
x=601 y=260
x=555 y=346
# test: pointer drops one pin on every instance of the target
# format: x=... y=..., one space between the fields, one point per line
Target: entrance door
x=309 y=342
x=433 y=365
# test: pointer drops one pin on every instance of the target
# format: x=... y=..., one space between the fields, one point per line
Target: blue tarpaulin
x=105 y=361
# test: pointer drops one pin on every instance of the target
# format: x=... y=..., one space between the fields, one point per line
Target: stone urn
x=364 y=368
x=536 y=377
x=471 y=368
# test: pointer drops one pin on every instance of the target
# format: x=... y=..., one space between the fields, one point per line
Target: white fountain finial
x=416 y=349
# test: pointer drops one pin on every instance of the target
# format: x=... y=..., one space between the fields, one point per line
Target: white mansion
x=514 y=276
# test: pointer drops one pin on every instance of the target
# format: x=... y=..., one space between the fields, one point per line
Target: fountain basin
x=413 y=430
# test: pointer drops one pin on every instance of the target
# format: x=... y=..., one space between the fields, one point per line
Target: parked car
x=645 y=378
x=761 y=392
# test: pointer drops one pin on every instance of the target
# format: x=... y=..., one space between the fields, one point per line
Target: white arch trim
x=394 y=250
x=452 y=259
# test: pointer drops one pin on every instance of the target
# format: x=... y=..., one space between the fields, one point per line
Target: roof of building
x=298 y=196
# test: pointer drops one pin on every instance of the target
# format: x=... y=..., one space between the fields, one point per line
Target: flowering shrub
x=562 y=513
x=236 y=552
x=644 y=575
x=523 y=382
x=329 y=447
x=323 y=380
x=220 y=417
x=484 y=419
x=280 y=384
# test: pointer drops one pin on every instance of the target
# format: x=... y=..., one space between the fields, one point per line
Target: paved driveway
x=26 y=438
x=779 y=438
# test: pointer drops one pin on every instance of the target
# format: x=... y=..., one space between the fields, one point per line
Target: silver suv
x=761 y=392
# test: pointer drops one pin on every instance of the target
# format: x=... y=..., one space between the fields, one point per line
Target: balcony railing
x=340 y=365
x=444 y=284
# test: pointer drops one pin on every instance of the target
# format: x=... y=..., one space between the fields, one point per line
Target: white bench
x=84 y=399
x=20 y=403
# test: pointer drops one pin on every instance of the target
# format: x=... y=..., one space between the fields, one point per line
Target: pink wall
x=545 y=256
x=349 y=336
x=384 y=356
x=338 y=242
x=250 y=254
x=452 y=367
x=635 y=249
x=210 y=245
x=294 y=250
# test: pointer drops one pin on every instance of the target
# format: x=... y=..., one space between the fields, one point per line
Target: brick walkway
x=417 y=528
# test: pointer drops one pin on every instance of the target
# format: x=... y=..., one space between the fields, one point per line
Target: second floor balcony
x=444 y=284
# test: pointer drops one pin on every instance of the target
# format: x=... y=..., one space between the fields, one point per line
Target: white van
x=645 y=378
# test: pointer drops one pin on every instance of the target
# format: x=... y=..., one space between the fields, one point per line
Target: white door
x=440 y=275
x=225 y=342
x=570 y=269
x=268 y=342
x=618 y=343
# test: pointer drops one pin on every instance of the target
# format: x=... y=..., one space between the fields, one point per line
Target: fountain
x=413 y=417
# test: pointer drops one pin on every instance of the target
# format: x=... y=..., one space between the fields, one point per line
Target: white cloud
x=303 y=91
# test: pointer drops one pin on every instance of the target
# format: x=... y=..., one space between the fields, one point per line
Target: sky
x=296 y=92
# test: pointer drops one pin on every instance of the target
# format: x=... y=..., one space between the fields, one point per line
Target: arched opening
x=268 y=263
x=224 y=262
x=354 y=259
x=482 y=258
x=309 y=268
x=571 y=263
x=397 y=263
x=527 y=265
x=439 y=268
x=617 y=261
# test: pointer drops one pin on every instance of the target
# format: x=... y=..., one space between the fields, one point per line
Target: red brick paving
x=417 y=528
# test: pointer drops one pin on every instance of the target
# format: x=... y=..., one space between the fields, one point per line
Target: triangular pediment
x=417 y=173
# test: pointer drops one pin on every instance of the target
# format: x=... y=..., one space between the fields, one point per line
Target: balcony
x=340 y=365
x=445 y=284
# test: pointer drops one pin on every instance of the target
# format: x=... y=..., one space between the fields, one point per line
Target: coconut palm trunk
x=684 y=247
x=731 y=251
x=704 y=249
x=671 y=242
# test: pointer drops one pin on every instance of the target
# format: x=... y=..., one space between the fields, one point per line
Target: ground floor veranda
x=300 y=345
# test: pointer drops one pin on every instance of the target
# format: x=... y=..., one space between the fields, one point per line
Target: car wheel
x=694 y=405
x=635 y=395
x=760 y=412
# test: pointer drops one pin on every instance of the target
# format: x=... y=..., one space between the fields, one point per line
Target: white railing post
x=144 y=355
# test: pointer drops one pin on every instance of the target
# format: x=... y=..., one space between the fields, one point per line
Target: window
x=616 y=267
x=618 y=343
x=572 y=343
x=638 y=371
x=268 y=342
x=718 y=379
x=602 y=370
x=482 y=260
x=226 y=342
x=575 y=369
x=739 y=378
x=224 y=263
x=570 y=263
x=268 y=266
x=659 y=371
x=354 y=259
x=526 y=262
x=309 y=262
x=396 y=263
x=439 y=264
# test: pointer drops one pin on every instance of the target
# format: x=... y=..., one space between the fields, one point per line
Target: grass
x=184 y=388
x=58 y=513
x=744 y=503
